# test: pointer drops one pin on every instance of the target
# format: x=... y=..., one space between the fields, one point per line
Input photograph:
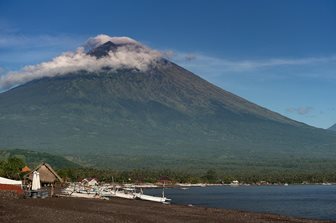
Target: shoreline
x=65 y=209
x=183 y=186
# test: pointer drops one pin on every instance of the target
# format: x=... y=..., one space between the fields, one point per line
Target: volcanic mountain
x=333 y=127
x=127 y=106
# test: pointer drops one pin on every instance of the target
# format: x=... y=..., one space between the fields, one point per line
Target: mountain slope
x=33 y=158
x=333 y=127
x=164 y=116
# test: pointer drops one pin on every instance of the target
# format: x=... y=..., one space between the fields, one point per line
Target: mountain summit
x=101 y=39
x=121 y=104
x=96 y=55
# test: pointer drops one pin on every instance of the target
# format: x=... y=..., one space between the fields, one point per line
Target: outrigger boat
x=84 y=195
x=127 y=193
x=145 y=197
x=106 y=192
x=80 y=192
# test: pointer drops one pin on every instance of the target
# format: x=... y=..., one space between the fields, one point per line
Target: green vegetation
x=165 y=118
x=210 y=176
x=11 y=168
x=33 y=158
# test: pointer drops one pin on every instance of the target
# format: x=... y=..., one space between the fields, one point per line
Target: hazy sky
x=278 y=54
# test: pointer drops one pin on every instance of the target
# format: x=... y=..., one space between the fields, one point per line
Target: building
x=48 y=176
x=25 y=169
x=11 y=185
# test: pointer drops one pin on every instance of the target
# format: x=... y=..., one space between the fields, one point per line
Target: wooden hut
x=48 y=176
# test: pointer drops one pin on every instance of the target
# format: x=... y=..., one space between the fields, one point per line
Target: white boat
x=83 y=195
x=80 y=191
x=106 y=192
x=191 y=185
x=326 y=184
x=145 y=197
x=88 y=191
x=234 y=183
x=126 y=193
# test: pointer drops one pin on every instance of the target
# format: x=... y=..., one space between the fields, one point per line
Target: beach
x=65 y=209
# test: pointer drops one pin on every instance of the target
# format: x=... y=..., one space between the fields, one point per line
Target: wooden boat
x=84 y=195
x=126 y=193
x=145 y=197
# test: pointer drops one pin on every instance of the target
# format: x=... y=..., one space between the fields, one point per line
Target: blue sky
x=278 y=54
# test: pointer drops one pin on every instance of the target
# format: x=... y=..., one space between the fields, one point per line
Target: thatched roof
x=47 y=174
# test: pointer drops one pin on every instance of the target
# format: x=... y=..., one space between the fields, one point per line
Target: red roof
x=25 y=169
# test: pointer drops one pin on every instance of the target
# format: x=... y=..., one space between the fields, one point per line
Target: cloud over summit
x=129 y=54
x=98 y=40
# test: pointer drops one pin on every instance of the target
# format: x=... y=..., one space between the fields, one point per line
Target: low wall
x=11 y=188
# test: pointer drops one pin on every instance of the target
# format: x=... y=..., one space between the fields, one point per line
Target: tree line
x=11 y=168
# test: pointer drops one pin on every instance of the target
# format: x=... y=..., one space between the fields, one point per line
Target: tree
x=2 y=172
x=12 y=167
x=211 y=176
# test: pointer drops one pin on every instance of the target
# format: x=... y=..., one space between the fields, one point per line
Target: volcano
x=128 y=107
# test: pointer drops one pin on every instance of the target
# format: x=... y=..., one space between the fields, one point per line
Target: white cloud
x=198 y=60
x=93 y=42
x=2 y=71
x=190 y=57
x=9 y=41
x=300 y=110
x=126 y=56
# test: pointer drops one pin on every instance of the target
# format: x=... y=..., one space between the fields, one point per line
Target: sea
x=304 y=201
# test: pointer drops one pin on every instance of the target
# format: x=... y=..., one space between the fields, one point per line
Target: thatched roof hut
x=47 y=174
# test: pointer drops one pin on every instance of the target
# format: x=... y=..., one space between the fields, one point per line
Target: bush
x=11 y=168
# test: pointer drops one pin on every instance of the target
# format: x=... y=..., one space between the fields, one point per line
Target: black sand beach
x=119 y=210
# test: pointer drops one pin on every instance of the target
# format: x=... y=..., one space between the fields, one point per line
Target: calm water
x=307 y=201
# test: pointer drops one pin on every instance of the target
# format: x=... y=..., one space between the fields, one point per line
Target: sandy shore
x=119 y=210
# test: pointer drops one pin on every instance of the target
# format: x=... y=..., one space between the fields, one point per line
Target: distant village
x=43 y=181
x=21 y=181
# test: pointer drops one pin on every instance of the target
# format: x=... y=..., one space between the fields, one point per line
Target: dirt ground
x=74 y=210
